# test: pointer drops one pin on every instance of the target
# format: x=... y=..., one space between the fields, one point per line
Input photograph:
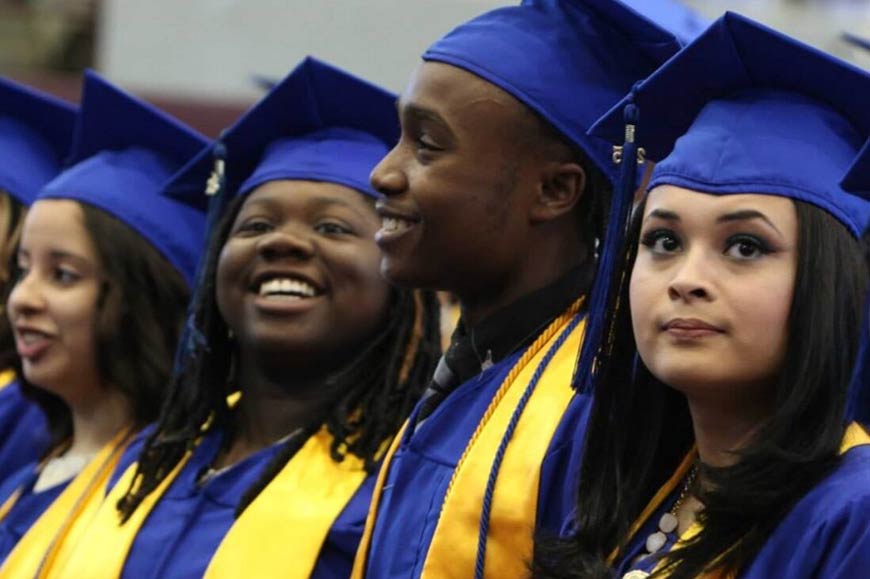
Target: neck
x=275 y=402
x=542 y=264
x=725 y=426
x=97 y=422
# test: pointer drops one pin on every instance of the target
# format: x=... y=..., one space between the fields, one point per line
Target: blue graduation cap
x=318 y=124
x=747 y=109
x=35 y=134
x=743 y=109
x=567 y=60
x=672 y=15
x=124 y=153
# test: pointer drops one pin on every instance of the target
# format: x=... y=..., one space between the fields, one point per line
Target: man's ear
x=559 y=190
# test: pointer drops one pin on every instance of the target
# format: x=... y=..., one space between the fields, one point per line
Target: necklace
x=669 y=522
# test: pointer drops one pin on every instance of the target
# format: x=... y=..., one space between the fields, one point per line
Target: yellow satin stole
x=109 y=542
x=854 y=436
x=7 y=377
x=281 y=533
x=105 y=553
x=62 y=525
x=453 y=550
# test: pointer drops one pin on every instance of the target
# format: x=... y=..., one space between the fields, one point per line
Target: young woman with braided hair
x=294 y=318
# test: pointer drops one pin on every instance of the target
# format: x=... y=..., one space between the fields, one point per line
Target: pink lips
x=690 y=328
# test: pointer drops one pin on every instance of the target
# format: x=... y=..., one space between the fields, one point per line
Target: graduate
x=292 y=315
x=495 y=193
x=721 y=442
x=103 y=270
x=35 y=136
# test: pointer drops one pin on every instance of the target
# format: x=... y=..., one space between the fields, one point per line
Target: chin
x=689 y=376
x=401 y=273
x=45 y=380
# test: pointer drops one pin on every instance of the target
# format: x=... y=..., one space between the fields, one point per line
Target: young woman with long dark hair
x=293 y=316
x=721 y=441
x=102 y=278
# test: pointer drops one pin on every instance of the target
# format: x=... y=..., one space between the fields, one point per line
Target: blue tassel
x=489 y=493
x=610 y=276
x=192 y=339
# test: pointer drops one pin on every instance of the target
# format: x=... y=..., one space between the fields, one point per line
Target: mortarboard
x=35 y=134
x=123 y=154
x=743 y=109
x=318 y=124
x=567 y=60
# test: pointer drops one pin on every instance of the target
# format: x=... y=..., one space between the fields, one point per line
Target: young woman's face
x=298 y=276
x=53 y=305
x=712 y=288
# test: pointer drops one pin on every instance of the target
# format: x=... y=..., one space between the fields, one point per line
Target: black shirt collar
x=515 y=326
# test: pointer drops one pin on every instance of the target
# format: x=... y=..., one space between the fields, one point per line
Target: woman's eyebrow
x=665 y=214
x=745 y=215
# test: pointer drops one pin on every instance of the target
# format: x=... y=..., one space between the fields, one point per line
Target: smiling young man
x=495 y=193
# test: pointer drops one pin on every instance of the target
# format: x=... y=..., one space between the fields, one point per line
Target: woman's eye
x=332 y=228
x=65 y=276
x=661 y=241
x=254 y=227
x=425 y=142
x=746 y=247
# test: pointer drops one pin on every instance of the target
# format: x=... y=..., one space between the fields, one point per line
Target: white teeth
x=287 y=287
x=395 y=224
x=29 y=337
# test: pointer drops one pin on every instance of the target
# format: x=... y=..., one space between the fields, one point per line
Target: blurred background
x=206 y=60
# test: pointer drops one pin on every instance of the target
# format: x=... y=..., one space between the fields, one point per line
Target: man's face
x=457 y=186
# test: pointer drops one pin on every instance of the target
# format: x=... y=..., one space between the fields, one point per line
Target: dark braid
x=382 y=385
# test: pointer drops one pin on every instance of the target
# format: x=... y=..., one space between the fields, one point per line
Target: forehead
x=290 y=194
x=459 y=97
x=699 y=205
x=57 y=225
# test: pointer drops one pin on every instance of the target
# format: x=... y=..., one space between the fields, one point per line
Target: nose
x=692 y=281
x=387 y=177
x=289 y=241
x=25 y=297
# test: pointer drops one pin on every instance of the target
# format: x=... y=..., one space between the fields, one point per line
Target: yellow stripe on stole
x=453 y=550
x=7 y=377
x=457 y=554
x=104 y=553
x=67 y=517
x=360 y=562
x=282 y=531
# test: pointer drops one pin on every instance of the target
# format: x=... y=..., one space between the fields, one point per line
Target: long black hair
x=383 y=382
x=640 y=429
x=140 y=311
